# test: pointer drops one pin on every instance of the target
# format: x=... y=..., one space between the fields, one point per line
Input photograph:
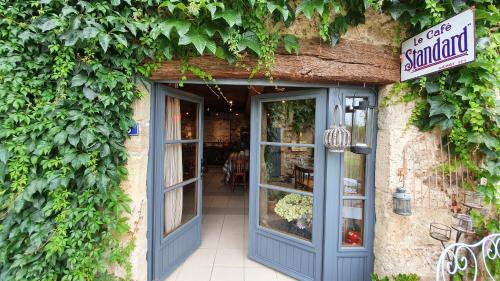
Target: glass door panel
x=286 y=205
x=177 y=183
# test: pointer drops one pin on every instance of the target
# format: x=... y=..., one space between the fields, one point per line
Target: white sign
x=446 y=45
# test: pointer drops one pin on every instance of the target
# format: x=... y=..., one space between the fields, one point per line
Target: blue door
x=177 y=180
x=287 y=182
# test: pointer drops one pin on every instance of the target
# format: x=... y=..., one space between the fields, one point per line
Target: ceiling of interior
x=239 y=95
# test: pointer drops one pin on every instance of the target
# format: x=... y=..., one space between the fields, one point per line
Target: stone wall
x=135 y=187
x=402 y=244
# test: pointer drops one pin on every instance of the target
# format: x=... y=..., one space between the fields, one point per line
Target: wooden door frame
x=332 y=88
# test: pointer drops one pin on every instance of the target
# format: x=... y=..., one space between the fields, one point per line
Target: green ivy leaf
x=87 y=137
x=115 y=2
x=68 y=10
x=60 y=138
x=212 y=7
x=4 y=154
x=105 y=150
x=89 y=93
x=291 y=43
x=307 y=7
x=121 y=39
x=431 y=87
x=490 y=141
x=232 y=17
x=89 y=32
x=199 y=40
x=49 y=25
x=78 y=80
x=458 y=5
x=251 y=41
x=104 y=40
x=438 y=107
x=74 y=140
x=181 y=27
x=80 y=160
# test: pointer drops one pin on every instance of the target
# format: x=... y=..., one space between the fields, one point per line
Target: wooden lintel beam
x=352 y=62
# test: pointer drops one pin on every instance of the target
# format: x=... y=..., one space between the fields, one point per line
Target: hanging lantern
x=337 y=138
x=462 y=223
x=401 y=202
x=440 y=232
x=472 y=199
x=362 y=127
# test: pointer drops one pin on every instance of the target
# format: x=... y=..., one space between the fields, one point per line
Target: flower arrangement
x=296 y=208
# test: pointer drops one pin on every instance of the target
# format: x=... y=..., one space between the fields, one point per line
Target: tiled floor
x=223 y=252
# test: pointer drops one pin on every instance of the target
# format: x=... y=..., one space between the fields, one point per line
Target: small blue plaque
x=134 y=131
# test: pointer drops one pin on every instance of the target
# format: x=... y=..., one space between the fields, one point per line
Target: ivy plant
x=68 y=76
x=461 y=102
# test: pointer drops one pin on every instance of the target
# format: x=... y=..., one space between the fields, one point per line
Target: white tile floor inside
x=223 y=252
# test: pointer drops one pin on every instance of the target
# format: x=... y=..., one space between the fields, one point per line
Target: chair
x=239 y=171
x=303 y=178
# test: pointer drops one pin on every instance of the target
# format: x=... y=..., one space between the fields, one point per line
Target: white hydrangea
x=295 y=207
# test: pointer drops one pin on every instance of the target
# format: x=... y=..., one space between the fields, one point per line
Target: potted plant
x=296 y=209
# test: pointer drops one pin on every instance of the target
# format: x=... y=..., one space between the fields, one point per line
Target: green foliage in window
x=299 y=114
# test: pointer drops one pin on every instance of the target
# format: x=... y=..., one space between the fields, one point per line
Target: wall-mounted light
x=363 y=118
x=401 y=202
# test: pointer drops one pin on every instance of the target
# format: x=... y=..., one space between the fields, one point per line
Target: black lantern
x=362 y=127
x=401 y=202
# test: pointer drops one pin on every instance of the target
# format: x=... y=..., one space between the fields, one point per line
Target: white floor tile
x=196 y=273
x=201 y=257
x=234 y=219
x=227 y=274
x=260 y=274
x=210 y=241
x=229 y=257
x=212 y=220
x=231 y=241
x=211 y=229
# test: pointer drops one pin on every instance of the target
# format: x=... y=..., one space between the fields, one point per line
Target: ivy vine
x=68 y=76
x=462 y=102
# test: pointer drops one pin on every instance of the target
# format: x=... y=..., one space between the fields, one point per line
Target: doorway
x=269 y=223
x=204 y=180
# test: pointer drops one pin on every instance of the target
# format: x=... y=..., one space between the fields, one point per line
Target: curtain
x=173 y=165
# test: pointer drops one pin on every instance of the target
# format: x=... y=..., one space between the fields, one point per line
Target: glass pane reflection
x=290 y=167
x=352 y=227
x=288 y=121
x=354 y=174
x=286 y=212
x=180 y=206
x=181 y=119
x=180 y=163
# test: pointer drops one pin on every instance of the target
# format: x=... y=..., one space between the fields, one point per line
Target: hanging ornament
x=337 y=138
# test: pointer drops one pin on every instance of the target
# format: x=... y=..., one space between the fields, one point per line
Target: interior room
x=225 y=173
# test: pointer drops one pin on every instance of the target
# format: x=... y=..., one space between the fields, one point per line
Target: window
x=353 y=189
x=287 y=166
x=180 y=163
